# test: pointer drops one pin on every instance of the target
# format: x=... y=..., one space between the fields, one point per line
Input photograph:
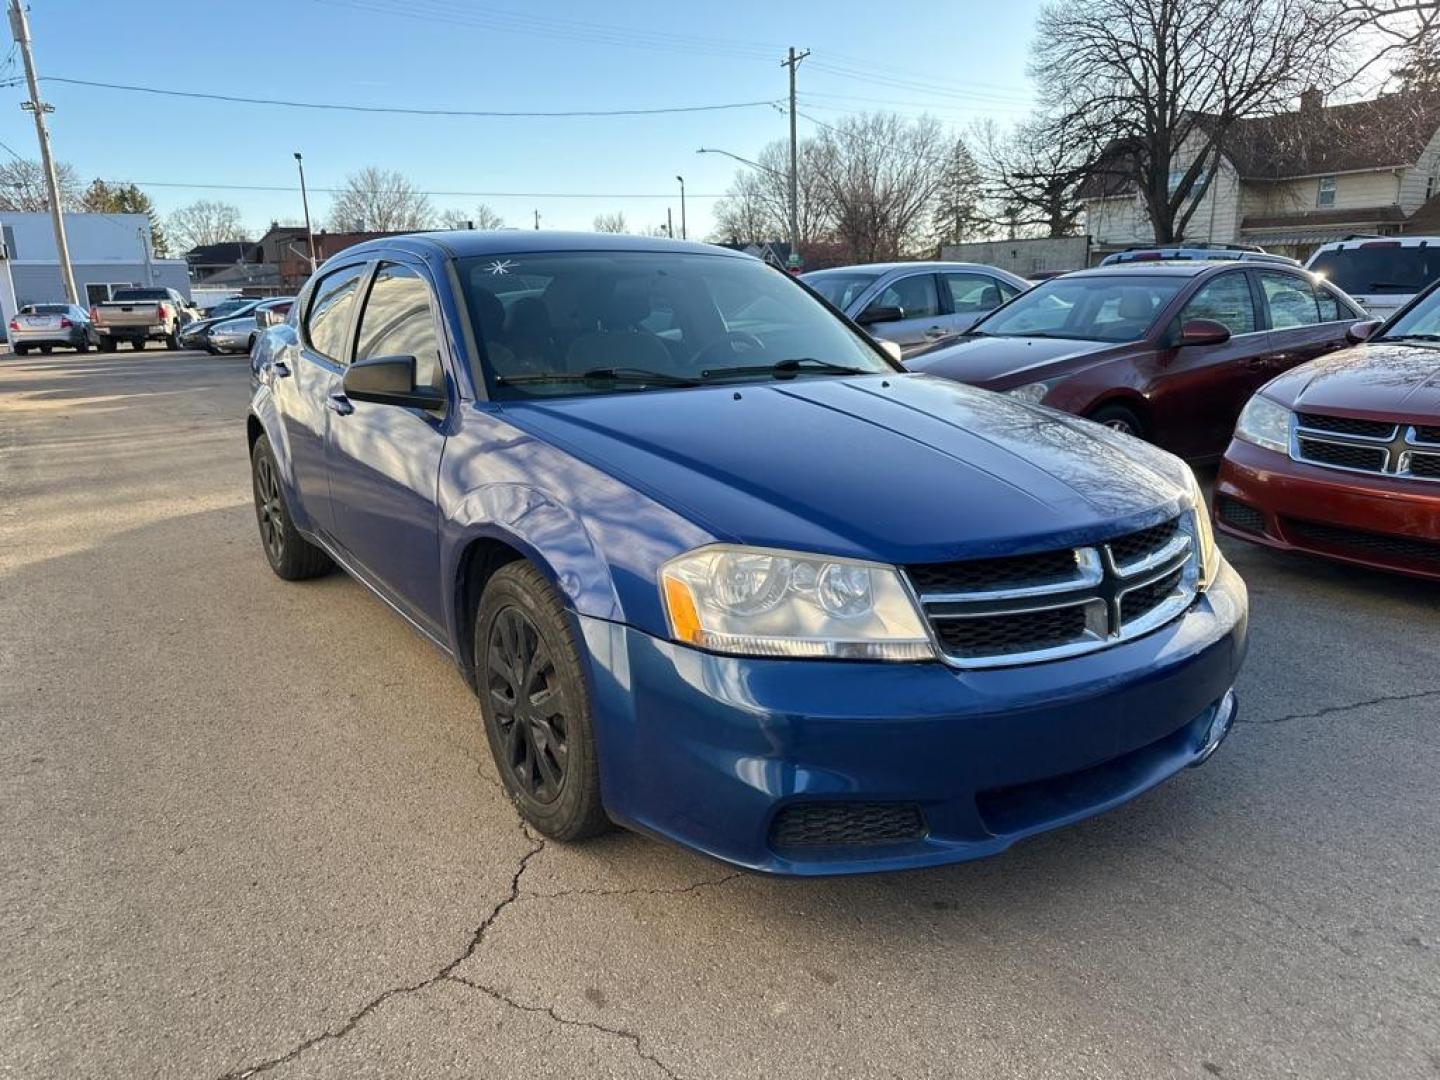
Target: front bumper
x=715 y=752
x=1377 y=521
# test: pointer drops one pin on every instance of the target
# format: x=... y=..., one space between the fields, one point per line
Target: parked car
x=1167 y=351
x=1383 y=274
x=733 y=587
x=1164 y=253
x=44 y=326
x=140 y=316
x=916 y=304
x=1341 y=457
x=238 y=334
x=196 y=335
x=233 y=305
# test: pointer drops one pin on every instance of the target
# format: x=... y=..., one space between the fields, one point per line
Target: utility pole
x=669 y=223
x=20 y=28
x=683 y=232
x=145 y=246
x=537 y=220
x=792 y=62
x=305 y=202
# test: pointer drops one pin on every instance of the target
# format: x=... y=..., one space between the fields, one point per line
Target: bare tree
x=757 y=206
x=205 y=222
x=379 y=200
x=483 y=217
x=882 y=173
x=1406 y=30
x=610 y=223
x=22 y=186
x=1032 y=175
x=1156 y=86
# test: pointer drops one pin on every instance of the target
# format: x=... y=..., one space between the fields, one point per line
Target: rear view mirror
x=876 y=314
x=1204 y=332
x=389 y=380
x=1364 y=330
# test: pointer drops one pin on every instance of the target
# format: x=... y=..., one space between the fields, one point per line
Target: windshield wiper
x=796 y=365
x=629 y=376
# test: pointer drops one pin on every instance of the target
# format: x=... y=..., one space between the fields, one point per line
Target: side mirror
x=876 y=314
x=891 y=348
x=389 y=380
x=1364 y=330
x=1204 y=332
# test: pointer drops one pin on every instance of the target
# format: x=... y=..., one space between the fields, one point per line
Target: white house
x=107 y=252
x=1297 y=180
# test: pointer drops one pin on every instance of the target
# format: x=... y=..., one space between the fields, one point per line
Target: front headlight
x=1201 y=534
x=1031 y=393
x=1265 y=423
x=759 y=602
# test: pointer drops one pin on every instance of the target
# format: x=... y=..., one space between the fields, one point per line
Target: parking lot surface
x=250 y=827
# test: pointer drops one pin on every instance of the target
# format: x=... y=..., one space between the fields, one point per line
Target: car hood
x=900 y=468
x=1011 y=361
x=1390 y=381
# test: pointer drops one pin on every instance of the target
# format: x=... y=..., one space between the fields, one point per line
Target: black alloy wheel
x=289 y=554
x=270 y=509
x=528 y=707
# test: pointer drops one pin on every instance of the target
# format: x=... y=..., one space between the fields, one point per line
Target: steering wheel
x=731 y=338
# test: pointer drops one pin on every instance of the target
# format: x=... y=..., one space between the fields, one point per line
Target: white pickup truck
x=139 y=316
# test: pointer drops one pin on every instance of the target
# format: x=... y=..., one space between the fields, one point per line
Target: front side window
x=1118 y=308
x=397 y=321
x=328 y=320
x=597 y=322
x=841 y=287
x=1225 y=300
x=1325 y=194
x=1421 y=321
x=971 y=293
x=915 y=295
x=1290 y=300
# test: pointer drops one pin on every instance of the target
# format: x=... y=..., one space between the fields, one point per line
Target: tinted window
x=841 y=287
x=328 y=320
x=396 y=321
x=1371 y=270
x=915 y=295
x=1291 y=301
x=1226 y=300
x=45 y=309
x=545 y=319
x=970 y=293
x=1422 y=319
x=1118 y=308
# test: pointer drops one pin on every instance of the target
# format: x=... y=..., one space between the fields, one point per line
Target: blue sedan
x=719 y=571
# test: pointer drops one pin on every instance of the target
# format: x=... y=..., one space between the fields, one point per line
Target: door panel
x=384 y=460
x=1306 y=321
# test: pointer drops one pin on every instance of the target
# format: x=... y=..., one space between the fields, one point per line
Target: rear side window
x=1225 y=300
x=328 y=320
x=397 y=321
x=1377 y=269
x=970 y=293
x=1291 y=301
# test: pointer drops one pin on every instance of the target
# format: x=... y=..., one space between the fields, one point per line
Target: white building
x=107 y=252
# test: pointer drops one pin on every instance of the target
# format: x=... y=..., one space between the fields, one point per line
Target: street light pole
x=305 y=202
x=683 y=234
x=793 y=62
x=20 y=28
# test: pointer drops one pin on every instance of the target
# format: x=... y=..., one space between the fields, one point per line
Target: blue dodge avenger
x=720 y=571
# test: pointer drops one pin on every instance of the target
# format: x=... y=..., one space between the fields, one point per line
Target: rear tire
x=108 y=345
x=22 y=350
x=172 y=339
x=82 y=346
x=1120 y=418
x=46 y=350
x=535 y=706
x=289 y=554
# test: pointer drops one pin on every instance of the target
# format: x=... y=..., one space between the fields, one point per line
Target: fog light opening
x=1219 y=727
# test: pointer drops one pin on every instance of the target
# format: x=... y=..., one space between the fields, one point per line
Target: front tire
x=1120 y=418
x=535 y=705
x=289 y=554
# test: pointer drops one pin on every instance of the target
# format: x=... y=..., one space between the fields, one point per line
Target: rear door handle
x=339 y=403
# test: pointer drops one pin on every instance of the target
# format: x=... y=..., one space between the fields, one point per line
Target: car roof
x=464 y=243
x=1160 y=268
x=1351 y=242
x=886 y=268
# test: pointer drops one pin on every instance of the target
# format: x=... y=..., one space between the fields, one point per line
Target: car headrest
x=1135 y=304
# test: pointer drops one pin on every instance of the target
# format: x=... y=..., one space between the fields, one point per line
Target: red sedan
x=1341 y=457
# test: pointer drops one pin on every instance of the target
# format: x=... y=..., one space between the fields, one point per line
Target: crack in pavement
x=476 y=939
x=549 y=1010
x=708 y=883
x=1330 y=709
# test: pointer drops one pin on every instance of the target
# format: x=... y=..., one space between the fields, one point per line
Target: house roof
x=1426 y=219
x=1372 y=215
x=1390 y=130
x=226 y=252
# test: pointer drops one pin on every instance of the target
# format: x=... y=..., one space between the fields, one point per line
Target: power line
x=438 y=194
x=335 y=106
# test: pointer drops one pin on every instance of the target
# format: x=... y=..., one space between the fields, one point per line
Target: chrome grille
x=1029 y=608
x=1409 y=451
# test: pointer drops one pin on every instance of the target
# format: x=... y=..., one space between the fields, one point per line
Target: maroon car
x=1168 y=352
x=1341 y=457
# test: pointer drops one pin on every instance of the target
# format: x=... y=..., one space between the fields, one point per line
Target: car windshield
x=1420 y=323
x=1118 y=309
x=1379 y=269
x=840 y=287
x=567 y=323
x=230 y=307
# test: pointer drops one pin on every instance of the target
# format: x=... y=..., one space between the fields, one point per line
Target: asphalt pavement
x=251 y=828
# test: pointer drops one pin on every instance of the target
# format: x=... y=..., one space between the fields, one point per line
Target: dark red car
x=1170 y=352
x=1341 y=457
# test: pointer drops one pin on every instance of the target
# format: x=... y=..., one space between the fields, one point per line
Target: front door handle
x=280 y=368
x=936 y=332
x=339 y=403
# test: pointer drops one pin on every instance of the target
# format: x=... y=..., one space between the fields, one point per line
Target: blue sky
x=960 y=60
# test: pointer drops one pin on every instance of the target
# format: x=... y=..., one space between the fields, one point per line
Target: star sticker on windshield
x=500 y=266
